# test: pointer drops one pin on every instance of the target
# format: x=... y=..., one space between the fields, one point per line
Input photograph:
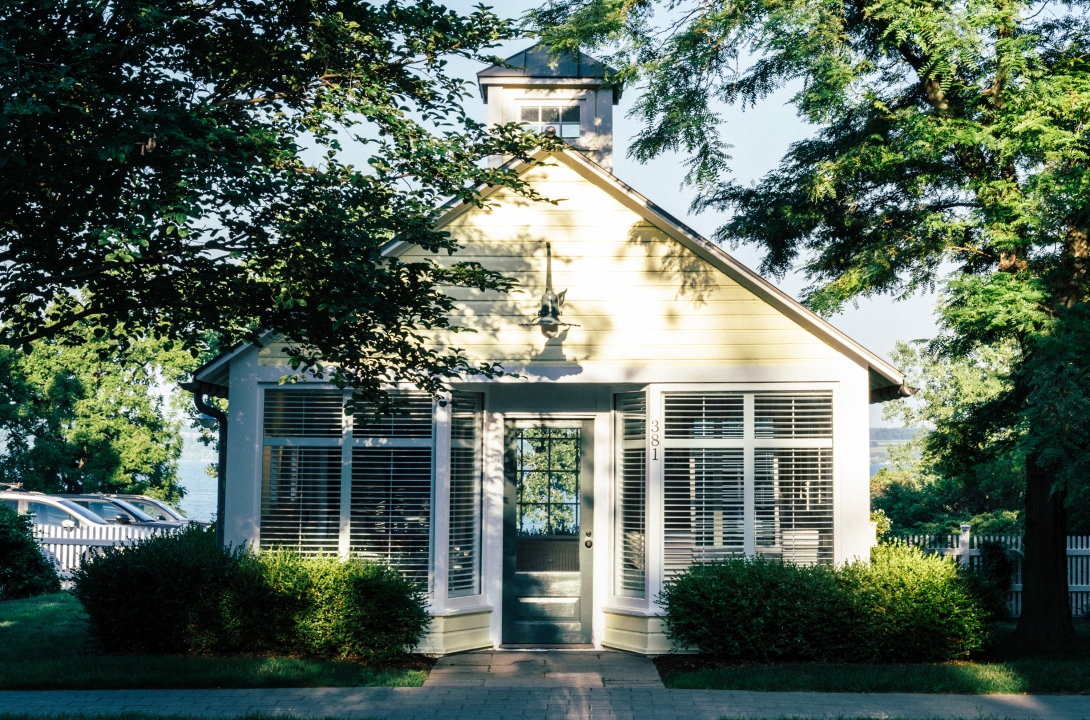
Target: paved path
x=495 y=703
x=553 y=668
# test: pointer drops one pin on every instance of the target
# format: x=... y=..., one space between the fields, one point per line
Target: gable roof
x=886 y=381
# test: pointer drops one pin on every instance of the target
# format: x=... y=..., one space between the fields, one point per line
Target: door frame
x=587 y=423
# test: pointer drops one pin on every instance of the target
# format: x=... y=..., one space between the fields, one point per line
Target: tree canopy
x=945 y=134
x=182 y=168
x=91 y=416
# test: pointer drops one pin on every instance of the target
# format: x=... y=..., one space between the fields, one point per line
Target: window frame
x=347 y=443
x=749 y=444
x=562 y=104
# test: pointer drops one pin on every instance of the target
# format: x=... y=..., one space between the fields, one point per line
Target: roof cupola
x=568 y=93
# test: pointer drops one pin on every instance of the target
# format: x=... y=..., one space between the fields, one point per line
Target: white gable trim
x=883 y=374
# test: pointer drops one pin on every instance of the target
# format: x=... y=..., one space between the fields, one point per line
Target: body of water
x=199 y=502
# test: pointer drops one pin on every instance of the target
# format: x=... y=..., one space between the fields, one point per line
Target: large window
x=464 y=548
x=331 y=485
x=747 y=472
x=301 y=471
x=630 y=497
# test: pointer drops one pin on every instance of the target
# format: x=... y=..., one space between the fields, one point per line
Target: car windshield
x=88 y=517
x=136 y=512
x=104 y=509
x=155 y=509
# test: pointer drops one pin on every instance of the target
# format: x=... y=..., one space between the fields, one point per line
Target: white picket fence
x=69 y=547
x=966 y=548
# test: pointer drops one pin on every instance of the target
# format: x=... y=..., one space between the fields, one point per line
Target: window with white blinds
x=793 y=493
x=630 y=492
x=703 y=506
x=391 y=508
x=392 y=473
x=301 y=498
x=303 y=413
x=301 y=470
x=312 y=450
x=464 y=546
x=410 y=417
x=724 y=452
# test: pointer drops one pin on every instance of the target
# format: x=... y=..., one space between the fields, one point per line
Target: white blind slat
x=410 y=417
x=301 y=498
x=464 y=546
x=630 y=491
x=704 y=505
x=391 y=508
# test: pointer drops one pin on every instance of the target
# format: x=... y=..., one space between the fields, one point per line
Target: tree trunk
x=1046 y=611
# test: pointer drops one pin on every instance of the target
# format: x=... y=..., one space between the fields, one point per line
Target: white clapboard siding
x=966 y=549
x=634 y=294
x=69 y=548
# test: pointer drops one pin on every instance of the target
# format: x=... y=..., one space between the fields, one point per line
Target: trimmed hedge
x=905 y=606
x=24 y=571
x=181 y=594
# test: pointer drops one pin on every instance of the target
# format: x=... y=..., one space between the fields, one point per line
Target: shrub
x=180 y=593
x=177 y=593
x=904 y=606
x=348 y=609
x=755 y=609
x=913 y=607
x=24 y=571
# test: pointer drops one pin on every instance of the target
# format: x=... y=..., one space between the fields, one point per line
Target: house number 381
x=654 y=439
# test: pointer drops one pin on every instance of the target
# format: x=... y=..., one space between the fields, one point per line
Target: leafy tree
x=184 y=164
x=932 y=485
x=89 y=416
x=945 y=132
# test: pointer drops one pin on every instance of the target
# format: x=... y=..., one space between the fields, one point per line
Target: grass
x=44 y=645
x=1004 y=669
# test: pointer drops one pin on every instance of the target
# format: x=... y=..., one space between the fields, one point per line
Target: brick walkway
x=554 y=668
x=541 y=703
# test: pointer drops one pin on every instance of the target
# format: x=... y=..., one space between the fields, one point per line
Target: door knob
x=589 y=543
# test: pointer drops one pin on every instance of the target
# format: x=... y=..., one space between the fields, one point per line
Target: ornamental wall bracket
x=548 y=317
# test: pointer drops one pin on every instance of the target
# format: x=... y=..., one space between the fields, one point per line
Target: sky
x=760 y=137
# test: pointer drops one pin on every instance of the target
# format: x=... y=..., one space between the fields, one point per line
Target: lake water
x=199 y=502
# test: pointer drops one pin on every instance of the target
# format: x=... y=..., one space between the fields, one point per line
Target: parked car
x=50 y=509
x=156 y=508
x=116 y=511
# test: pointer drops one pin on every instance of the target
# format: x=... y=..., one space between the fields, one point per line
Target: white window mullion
x=748 y=473
x=345 y=538
x=440 y=523
x=655 y=529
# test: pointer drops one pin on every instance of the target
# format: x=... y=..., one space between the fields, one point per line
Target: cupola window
x=563 y=120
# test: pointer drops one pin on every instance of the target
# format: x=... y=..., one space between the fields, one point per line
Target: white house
x=671 y=407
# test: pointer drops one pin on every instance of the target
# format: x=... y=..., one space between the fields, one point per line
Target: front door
x=548 y=533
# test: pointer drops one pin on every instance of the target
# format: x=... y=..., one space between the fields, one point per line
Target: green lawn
x=44 y=645
x=1002 y=670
